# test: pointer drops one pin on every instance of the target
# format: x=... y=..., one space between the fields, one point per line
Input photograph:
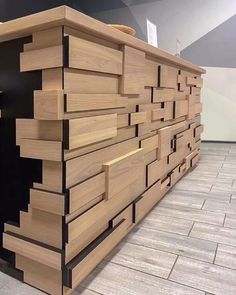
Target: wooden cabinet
x=114 y=124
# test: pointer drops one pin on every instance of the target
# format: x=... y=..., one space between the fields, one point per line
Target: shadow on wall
x=215 y=49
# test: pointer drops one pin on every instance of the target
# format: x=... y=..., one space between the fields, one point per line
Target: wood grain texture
x=87 y=55
x=85 y=131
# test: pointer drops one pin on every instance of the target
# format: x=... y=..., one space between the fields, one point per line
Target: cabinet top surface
x=67 y=16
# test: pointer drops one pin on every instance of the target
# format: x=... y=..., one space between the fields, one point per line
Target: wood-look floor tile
x=219 y=206
x=218 y=234
x=173 y=243
x=187 y=201
x=191 y=214
x=144 y=259
x=166 y=223
x=230 y=221
x=204 y=276
x=114 y=279
x=222 y=188
x=226 y=256
x=219 y=197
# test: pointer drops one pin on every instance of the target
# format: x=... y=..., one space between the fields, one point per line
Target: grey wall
x=206 y=31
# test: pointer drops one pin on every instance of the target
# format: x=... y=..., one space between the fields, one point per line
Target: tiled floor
x=185 y=246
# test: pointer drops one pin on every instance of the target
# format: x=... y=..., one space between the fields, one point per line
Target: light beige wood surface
x=67 y=16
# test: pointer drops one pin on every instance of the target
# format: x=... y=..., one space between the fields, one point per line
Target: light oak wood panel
x=45 y=38
x=167 y=77
x=133 y=78
x=80 y=81
x=156 y=170
x=32 y=251
x=46 y=58
x=86 y=191
x=138 y=118
x=72 y=18
x=163 y=94
x=85 y=131
x=89 y=102
x=80 y=271
x=149 y=144
x=35 y=129
x=39 y=275
x=148 y=199
x=52 y=79
x=41 y=149
x=122 y=171
x=123 y=134
x=39 y=226
x=81 y=168
x=91 y=56
x=47 y=201
x=49 y=105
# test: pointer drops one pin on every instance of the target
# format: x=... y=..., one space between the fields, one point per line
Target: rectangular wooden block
x=198 y=130
x=26 y=248
x=86 y=55
x=146 y=202
x=45 y=58
x=121 y=172
x=85 y=192
x=41 y=149
x=156 y=170
x=149 y=144
x=162 y=94
x=133 y=78
x=90 y=102
x=49 y=105
x=181 y=108
x=138 y=118
x=47 y=201
x=167 y=77
x=80 y=81
x=84 y=131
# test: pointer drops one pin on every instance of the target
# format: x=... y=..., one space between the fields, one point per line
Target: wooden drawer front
x=149 y=144
x=47 y=201
x=138 y=118
x=104 y=211
x=162 y=95
x=41 y=149
x=167 y=77
x=165 y=113
x=181 y=108
x=92 y=56
x=133 y=78
x=84 y=131
x=87 y=260
x=156 y=170
x=86 y=166
x=26 y=248
x=80 y=81
x=45 y=58
x=148 y=199
x=123 y=171
x=195 y=81
x=85 y=192
x=89 y=102
x=198 y=130
x=195 y=159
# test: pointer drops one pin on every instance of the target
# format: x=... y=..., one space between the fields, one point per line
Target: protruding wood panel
x=86 y=55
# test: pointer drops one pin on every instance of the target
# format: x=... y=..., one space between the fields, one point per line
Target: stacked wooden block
x=115 y=127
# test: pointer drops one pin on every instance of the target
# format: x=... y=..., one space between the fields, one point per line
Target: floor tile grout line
x=172 y=267
x=166 y=279
x=224 y=221
x=215 y=253
x=191 y=229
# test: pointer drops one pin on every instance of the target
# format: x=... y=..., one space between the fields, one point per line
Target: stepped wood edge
x=97 y=127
